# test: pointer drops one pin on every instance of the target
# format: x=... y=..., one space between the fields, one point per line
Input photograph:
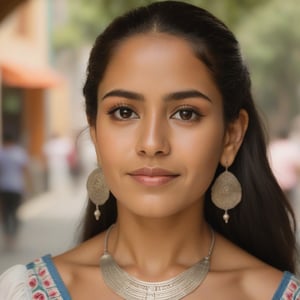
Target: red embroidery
x=41 y=283
x=292 y=291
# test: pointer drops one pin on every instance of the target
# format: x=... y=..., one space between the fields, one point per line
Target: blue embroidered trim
x=289 y=288
x=45 y=281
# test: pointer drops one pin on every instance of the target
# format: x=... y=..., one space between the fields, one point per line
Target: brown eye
x=186 y=114
x=123 y=113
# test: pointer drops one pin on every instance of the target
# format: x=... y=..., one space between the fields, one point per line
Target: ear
x=93 y=134
x=234 y=137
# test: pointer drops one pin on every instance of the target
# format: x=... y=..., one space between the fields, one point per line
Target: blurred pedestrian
x=13 y=177
x=284 y=156
x=74 y=163
x=295 y=136
x=56 y=151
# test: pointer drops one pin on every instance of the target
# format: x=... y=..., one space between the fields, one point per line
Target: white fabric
x=13 y=284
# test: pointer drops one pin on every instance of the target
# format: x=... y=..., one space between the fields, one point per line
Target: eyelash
x=117 y=108
x=190 y=109
x=185 y=108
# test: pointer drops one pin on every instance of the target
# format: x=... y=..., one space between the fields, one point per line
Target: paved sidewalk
x=49 y=224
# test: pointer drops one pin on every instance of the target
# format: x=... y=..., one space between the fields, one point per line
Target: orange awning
x=26 y=76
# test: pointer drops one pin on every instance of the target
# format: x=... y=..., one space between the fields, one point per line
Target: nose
x=153 y=138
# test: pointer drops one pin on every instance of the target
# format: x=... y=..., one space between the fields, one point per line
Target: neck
x=159 y=248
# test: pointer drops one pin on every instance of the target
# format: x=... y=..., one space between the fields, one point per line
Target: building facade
x=33 y=96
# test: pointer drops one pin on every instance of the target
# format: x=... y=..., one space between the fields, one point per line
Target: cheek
x=204 y=149
x=113 y=146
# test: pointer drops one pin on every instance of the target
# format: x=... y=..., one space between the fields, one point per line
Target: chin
x=155 y=210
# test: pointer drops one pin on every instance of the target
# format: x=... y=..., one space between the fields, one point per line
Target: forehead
x=159 y=58
x=152 y=45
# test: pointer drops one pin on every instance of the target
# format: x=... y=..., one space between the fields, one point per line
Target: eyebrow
x=180 y=95
x=123 y=94
x=187 y=94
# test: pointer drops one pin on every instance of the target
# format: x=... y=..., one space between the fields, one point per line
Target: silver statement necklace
x=131 y=288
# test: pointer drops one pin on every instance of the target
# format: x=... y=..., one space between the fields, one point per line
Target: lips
x=153 y=176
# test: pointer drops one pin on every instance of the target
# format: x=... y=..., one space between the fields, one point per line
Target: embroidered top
x=289 y=288
x=40 y=280
x=44 y=280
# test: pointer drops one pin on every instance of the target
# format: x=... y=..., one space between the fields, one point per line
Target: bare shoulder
x=84 y=253
x=78 y=266
x=261 y=282
x=244 y=275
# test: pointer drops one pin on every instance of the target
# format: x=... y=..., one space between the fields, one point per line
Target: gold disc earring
x=226 y=192
x=97 y=189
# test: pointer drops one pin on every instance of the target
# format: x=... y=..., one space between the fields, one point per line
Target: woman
x=190 y=192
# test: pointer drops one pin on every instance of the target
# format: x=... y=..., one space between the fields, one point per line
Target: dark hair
x=263 y=223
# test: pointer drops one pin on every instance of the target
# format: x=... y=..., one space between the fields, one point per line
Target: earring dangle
x=226 y=192
x=97 y=189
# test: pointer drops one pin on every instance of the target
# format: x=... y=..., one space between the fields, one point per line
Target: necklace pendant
x=176 y=288
x=150 y=296
x=150 y=293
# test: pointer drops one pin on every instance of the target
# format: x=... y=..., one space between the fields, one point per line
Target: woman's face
x=159 y=131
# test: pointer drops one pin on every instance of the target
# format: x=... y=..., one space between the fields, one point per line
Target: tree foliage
x=88 y=17
x=270 y=40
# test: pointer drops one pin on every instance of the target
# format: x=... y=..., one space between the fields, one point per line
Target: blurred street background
x=44 y=46
x=48 y=224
